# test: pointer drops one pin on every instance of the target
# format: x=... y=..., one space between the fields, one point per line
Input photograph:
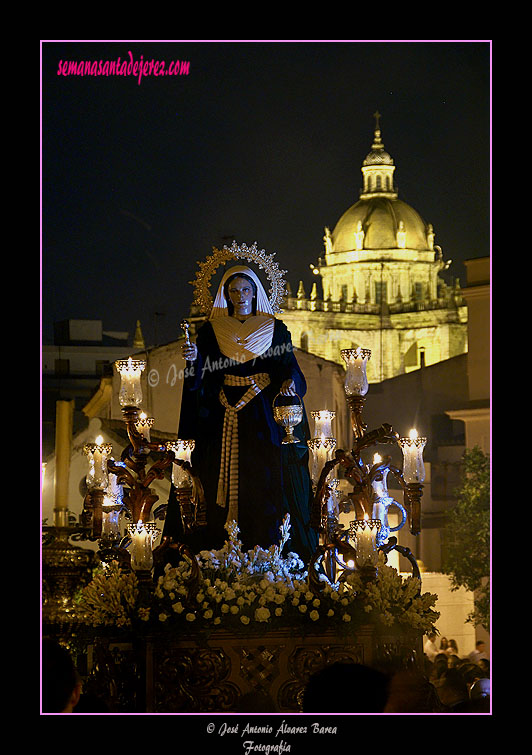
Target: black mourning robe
x=273 y=477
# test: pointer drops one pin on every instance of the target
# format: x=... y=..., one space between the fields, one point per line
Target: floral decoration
x=112 y=598
x=258 y=589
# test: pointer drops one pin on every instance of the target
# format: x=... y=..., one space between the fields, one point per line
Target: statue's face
x=241 y=294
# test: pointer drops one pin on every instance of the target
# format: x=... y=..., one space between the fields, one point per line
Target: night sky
x=261 y=141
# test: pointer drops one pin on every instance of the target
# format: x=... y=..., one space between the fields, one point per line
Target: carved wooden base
x=189 y=676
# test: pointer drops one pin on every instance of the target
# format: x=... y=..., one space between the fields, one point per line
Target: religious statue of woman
x=243 y=361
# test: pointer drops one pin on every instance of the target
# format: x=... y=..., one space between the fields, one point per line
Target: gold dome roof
x=380 y=219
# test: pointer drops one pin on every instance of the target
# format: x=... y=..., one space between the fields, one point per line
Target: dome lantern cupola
x=379 y=222
x=378 y=169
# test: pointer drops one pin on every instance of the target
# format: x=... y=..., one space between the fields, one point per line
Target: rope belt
x=228 y=479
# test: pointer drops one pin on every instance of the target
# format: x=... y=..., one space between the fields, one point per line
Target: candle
x=322 y=423
x=143 y=425
x=97 y=453
x=130 y=388
x=356 y=382
x=141 y=552
x=182 y=449
x=412 y=448
x=364 y=531
x=322 y=450
x=379 y=486
x=110 y=516
x=364 y=542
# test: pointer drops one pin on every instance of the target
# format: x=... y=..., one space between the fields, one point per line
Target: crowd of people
x=444 y=683
x=462 y=682
x=447 y=683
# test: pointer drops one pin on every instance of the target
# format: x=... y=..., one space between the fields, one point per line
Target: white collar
x=242 y=341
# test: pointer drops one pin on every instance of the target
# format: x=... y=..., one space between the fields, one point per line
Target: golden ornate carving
x=194 y=680
x=306 y=661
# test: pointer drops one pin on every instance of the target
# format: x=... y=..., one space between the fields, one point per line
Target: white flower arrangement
x=258 y=589
x=112 y=598
x=261 y=587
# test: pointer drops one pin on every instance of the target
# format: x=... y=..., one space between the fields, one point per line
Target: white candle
x=97 y=454
x=98 y=457
x=413 y=467
x=379 y=486
x=323 y=423
x=322 y=451
x=143 y=425
x=365 y=532
x=110 y=517
x=182 y=450
x=364 y=543
x=141 y=552
x=130 y=387
x=356 y=382
x=100 y=461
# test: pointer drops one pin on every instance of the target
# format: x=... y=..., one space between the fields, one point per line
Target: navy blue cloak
x=273 y=477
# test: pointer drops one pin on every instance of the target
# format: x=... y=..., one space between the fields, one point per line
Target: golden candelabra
x=133 y=477
x=343 y=550
x=340 y=548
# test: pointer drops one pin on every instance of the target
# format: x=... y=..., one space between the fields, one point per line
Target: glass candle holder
x=115 y=490
x=356 y=382
x=111 y=510
x=322 y=452
x=412 y=448
x=182 y=449
x=364 y=534
x=130 y=371
x=144 y=424
x=323 y=423
x=143 y=535
x=97 y=454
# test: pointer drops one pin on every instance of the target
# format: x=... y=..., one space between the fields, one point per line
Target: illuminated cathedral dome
x=380 y=223
x=379 y=220
x=381 y=287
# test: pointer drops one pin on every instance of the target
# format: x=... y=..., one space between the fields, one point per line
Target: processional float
x=124 y=487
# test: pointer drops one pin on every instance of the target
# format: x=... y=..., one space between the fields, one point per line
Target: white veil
x=219 y=308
